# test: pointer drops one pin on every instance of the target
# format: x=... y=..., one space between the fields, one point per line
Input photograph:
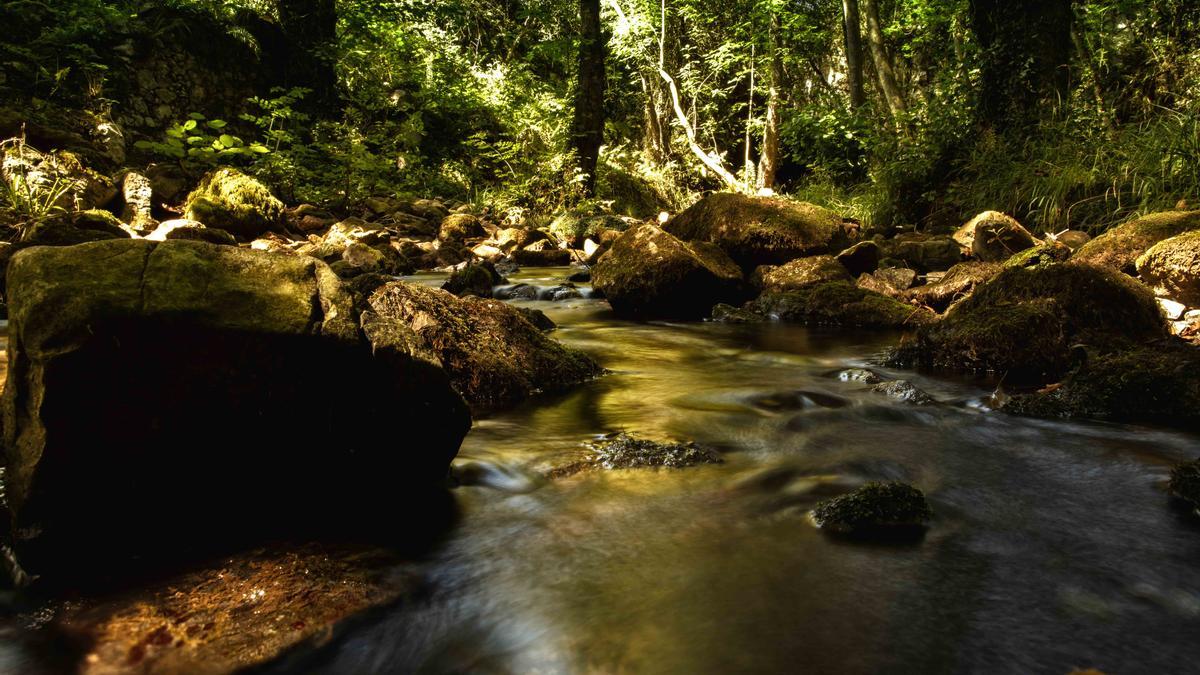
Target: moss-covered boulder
x=476 y=280
x=148 y=377
x=1120 y=247
x=70 y=230
x=799 y=273
x=191 y=230
x=1172 y=268
x=1025 y=321
x=649 y=273
x=230 y=200
x=760 y=230
x=839 y=304
x=495 y=357
x=1158 y=384
x=925 y=253
x=459 y=227
x=876 y=510
x=542 y=253
x=99 y=220
x=1045 y=253
x=957 y=283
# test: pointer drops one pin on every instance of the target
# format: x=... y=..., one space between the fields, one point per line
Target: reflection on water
x=1053 y=545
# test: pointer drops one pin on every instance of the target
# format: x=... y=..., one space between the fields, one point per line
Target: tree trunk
x=884 y=71
x=589 y=98
x=768 y=161
x=852 y=28
x=1026 y=52
x=310 y=30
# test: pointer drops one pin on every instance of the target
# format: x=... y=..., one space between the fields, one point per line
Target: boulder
x=799 y=273
x=832 y=304
x=429 y=209
x=459 y=227
x=1120 y=247
x=1025 y=322
x=875 y=510
x=166 y=397
x=62 y=172
x=891 y=281
x=230 y=200
x=99 y=220
x=495 y=357
x=648 y=273
x=1158 y=384
x=1172 y=268
x=138 y=196
x=958 y=282
x=994 y=220
x=760 y=230
x=190 y=230
x=623 y=451
x=925 y=253
x=64 y=232
x=309 y=218
x=997 y=240
x=903 y=391
x=1072 y=239
x=476 y=280
x=1045 y=253
x=861 y=258
x=542 y=253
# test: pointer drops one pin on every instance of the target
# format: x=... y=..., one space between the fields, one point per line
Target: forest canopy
x=899 y=113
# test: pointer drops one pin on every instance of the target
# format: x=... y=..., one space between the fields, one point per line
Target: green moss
x=1120 y=247
x=840 y=304
x=99 y=220
x=474 y=280
x=1046 y=253
x=230 y=200
x=875 y=509
x=458 y=227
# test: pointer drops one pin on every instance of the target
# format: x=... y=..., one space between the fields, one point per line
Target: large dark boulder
x=1120 y=247
x=163 y=397
x=1026 y=322
x=495 y=357
x=760 y=230
x=648 y=273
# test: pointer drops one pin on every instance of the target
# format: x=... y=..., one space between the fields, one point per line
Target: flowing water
x=1053 y=546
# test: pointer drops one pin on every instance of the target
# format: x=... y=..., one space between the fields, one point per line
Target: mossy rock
x=61 y=232
x=800 y=273
x=839 y=304
x=574 y=228
x=1172 y=268
x=1185 y=483
x=629 y=194
x=495 y=357
x=760 y=230
x=1024 y=322
x=1159 y=385
x=1046 y=253
x=99 y=220
x=230 y=200
x=476 y=280
x=958 y=283
x=998 y=239
x=649 y=273
x=459 y=227
x=876 y=510
x=623 y=451
x=1120 y=247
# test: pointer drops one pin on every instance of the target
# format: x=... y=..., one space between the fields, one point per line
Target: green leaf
x=217 y=124
x=189 y=125
x=196 y=116
x=144 y=145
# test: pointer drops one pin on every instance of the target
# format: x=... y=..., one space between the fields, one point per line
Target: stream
x=1053 y=545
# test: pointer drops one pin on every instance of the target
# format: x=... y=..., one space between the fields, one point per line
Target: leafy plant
x=33 y=186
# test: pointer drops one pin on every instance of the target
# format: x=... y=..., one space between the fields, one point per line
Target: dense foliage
x=1065 y=114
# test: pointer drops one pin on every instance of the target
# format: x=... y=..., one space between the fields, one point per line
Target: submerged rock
x=1120 y=247
x=1185 y=484
x=1172 y=268
x=875 y=510
x=799 y=273
x=494 y=356
x=649 y=273
x=623 y=451
x=230 y=200
x=169 y=373
x=1025 y=321
x=757 y=231
x=903 y=391
x=859 y=375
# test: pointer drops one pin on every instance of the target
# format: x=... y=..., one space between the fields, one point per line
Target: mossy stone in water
x=1045 y=253
x=840 y=304
x=1120 y=247
x=799 y=273
x=476 y=280
x=232 y=201
x=627 y=452
x=875 y=510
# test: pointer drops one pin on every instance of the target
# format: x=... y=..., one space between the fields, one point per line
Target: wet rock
x=561 y=292
x=903 y=391
x=1120 y=247
x=859 y=375
x=542 y=253
x=839 y=304
x=622 y=451
x=167 y=373
x=538 y=318
x=724 y=313
x=799 y=273
x=494 y=356
x=649 y=273
x=876 y=510
x=1172 y=268
x=476 y=280
x=862 y=258
x=1072 y=239
x=191 y=230
x=1185 y=484
x=582 y=276
x=1025 y=321
x=959 y=282
x=892 y=281
x=517 y=292
x=230 y=200
x=459 y=227
x=1158 y=384
x=1046 y=253
x=138 y=194
x=757 y=231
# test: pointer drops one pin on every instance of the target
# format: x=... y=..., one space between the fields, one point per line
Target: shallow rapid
x=1053 y=546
